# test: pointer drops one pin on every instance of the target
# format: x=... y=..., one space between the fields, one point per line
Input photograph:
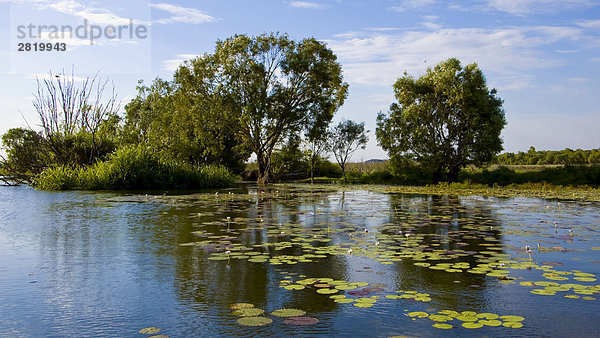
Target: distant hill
x=375 y=160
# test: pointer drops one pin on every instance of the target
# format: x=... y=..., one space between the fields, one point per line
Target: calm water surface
x=109 y=264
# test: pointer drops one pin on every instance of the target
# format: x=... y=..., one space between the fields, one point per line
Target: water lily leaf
x=363 y=304
x=254 y=321
x=294 y=287
x=366 y=300
x=512 y=318
x=486 y=315
x=418 y=314
x=514 y=325
x=472 y=325
x=327 y=291
x=252 y=312
x=491 y=322
x=288 y=313
x=239 y=306
x=442 y=326
x=344 y=300
x=301 y=321
x=149 y=330
x=440 y=318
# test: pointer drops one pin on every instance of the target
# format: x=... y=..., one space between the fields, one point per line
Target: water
x=110 y=264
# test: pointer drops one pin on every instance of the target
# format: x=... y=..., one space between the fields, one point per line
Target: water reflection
x=110 y=264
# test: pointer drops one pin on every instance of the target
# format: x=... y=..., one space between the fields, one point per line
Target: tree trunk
x=264 y=169
x=344 y=172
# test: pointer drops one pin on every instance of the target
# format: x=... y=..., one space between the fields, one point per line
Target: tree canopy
x=444 y=120
x=346 y=138
x=270 y=86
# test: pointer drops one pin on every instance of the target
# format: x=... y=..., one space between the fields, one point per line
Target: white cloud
x=100 y=16
x=412 y=5
x=183 y=14
x=378 y=58
x=171 y=65
x=523 y=7
x=589 y=23
x=307 y=5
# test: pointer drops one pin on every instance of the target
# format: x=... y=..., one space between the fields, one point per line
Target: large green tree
x=271 y=86
x=444 y=120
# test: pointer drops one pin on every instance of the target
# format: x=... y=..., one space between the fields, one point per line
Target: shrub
x=134 y=168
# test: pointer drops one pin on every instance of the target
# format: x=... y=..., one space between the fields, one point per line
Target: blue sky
x=543 y=56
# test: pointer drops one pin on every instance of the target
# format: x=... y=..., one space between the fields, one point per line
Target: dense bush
x=565 y=157
x=568 y=175
x=134 y=168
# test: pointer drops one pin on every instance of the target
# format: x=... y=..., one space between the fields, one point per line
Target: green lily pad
x=149 y=330
x=294 y=287
x=252 y=312
x=288 y=313
x=344 y=300
x=363 y=304
x=327 y=291
x=254 y=321
x=491 y=322
x=239 y=306
x=472 y=325
x=512 y=318
x=486 y=315
x=442 y=326
x=514 y=325
x=418 y=314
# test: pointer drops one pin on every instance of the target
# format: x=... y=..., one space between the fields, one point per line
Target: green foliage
x=24 y=155
x=270 y=86
x=345 y=139
x=445 y=120
x=569 y=175
x=564 y=157
x=134 y=168
x=185 y=124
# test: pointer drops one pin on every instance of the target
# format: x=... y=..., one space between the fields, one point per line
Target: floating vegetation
x=149 y=330
x=467 y=319
x=254 y=321
x=301 y=321
x=252 y=312
x=460 y=241
x=288 y=313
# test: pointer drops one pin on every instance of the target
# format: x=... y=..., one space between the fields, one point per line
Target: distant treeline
x=557 y=157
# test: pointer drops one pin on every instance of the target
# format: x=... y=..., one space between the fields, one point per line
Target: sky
x=543 y=56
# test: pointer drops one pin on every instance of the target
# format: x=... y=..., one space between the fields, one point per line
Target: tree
x=445 y=120
x=346 y=138
x=72 y=114
x=25 y=156
x=317 y=143
x=271 y=86
x=185 y=124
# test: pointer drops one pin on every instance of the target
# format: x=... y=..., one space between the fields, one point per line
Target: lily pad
x=252 y=312
x=239 y=306
x=472 y=325
x=442 y=326
x=149 y=330
x=301 y=321
x=288 y=313
x=254 y=321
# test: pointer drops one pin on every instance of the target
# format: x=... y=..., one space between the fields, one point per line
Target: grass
x=134 y=168
x=536 y=190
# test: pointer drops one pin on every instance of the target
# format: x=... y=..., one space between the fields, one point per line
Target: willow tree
x=271 y=86
x=445 y=120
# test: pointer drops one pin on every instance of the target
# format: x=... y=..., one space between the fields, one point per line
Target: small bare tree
x=67 y=105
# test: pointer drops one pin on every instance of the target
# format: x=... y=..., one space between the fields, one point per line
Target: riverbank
x=535 y=190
